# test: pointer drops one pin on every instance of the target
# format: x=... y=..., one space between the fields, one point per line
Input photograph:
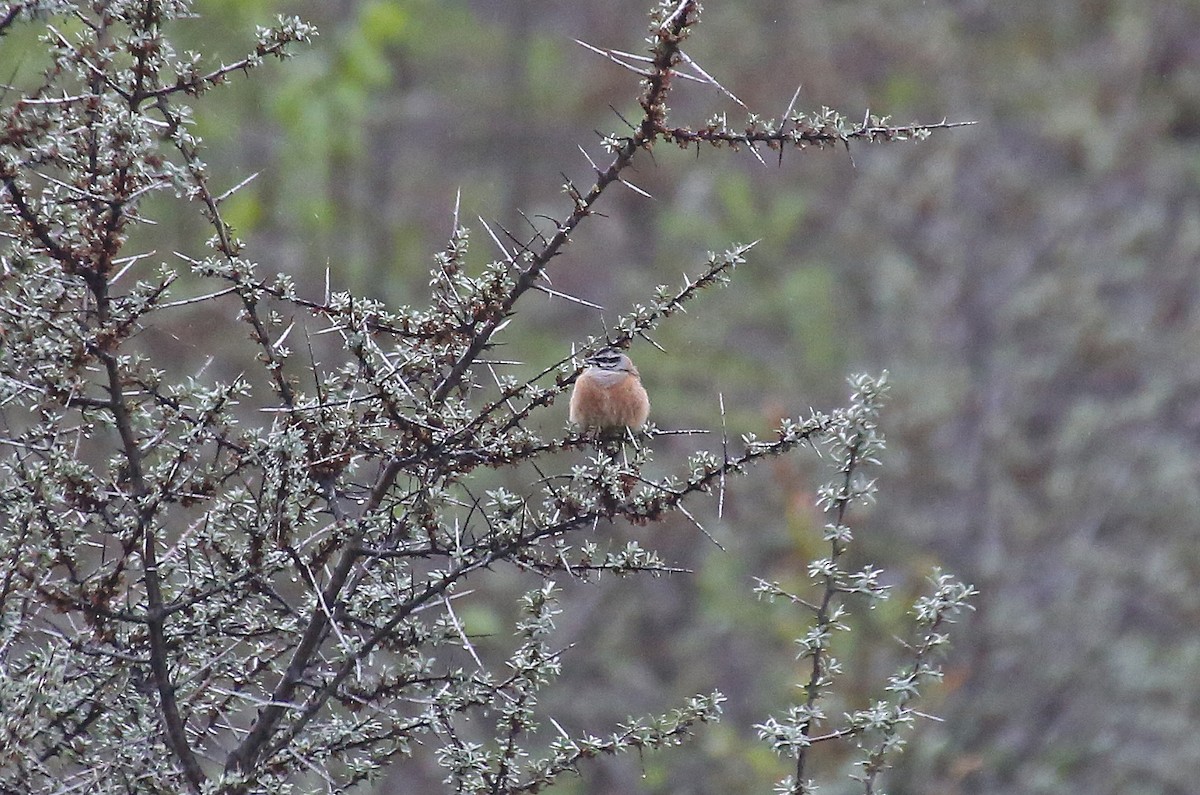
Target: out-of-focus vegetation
x=1032 y=284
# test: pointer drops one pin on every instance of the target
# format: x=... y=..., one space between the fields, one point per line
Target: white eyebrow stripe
x=606 y=359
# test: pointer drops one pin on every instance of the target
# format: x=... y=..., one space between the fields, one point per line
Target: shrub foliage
x=247 y=584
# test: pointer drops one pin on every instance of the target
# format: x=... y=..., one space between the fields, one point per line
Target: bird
x=608 y=395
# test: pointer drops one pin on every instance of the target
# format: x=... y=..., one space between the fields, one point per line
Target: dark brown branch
x=804 y=134
x=42 y=232
x=812 y=689
x=156 y=613
x=246 y=290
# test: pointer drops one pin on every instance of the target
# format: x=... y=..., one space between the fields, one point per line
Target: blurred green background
x=1031 y=283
